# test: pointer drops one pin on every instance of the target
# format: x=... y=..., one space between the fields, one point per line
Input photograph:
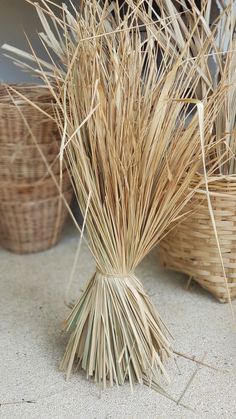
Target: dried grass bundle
x=214 y=35
x=225 y=126
x=132 y=155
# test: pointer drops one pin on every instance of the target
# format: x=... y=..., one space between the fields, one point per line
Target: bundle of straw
x=214 y=34
x=132 y=155
x=180 y=22
x=225 y=125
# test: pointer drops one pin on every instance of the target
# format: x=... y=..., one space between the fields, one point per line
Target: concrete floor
x=32 y=312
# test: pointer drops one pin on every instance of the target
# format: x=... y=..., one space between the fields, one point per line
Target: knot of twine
x=114 y=275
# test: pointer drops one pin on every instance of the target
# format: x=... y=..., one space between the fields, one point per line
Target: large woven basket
x=192 y=248
x=26 y=134
x=28 y=171
x=43 y=189
x=32 y=226
x=11 y=151
x=13 y=127
x=32 y=212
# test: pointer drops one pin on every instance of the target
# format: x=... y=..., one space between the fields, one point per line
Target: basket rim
x=223 y=185
x=39 y=93
x=215 y=178
x=35 y=88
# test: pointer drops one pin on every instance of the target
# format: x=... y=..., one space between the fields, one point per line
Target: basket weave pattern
x=191 y=247
x=34 y=225
x=32 y=212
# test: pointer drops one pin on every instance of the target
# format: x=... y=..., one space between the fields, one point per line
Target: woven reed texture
x=13 y=128
x=28 y=170
x=19 y=150
x=37 y=93
x=32 y=213
x=33 y=226
x=191 y=247
x=40 y=190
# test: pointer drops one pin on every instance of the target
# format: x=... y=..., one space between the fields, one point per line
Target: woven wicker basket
x=32 y=213
x=40 y=190
x=35 y=93
x=20 y=158
x=28 y=171
x=12 y=124
x=20 y=150
x=191 y=247
x=14 y=129
x=32 y=226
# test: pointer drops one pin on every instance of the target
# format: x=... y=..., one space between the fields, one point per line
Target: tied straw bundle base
x=123 y=122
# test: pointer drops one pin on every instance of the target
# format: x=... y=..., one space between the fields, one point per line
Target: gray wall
x=17 y=17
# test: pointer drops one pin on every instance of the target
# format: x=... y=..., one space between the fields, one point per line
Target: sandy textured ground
x=32 y=312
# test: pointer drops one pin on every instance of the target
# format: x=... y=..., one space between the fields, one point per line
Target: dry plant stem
x=155 y=386
x=197 y=361
x=191 y=380
x=116 y=332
